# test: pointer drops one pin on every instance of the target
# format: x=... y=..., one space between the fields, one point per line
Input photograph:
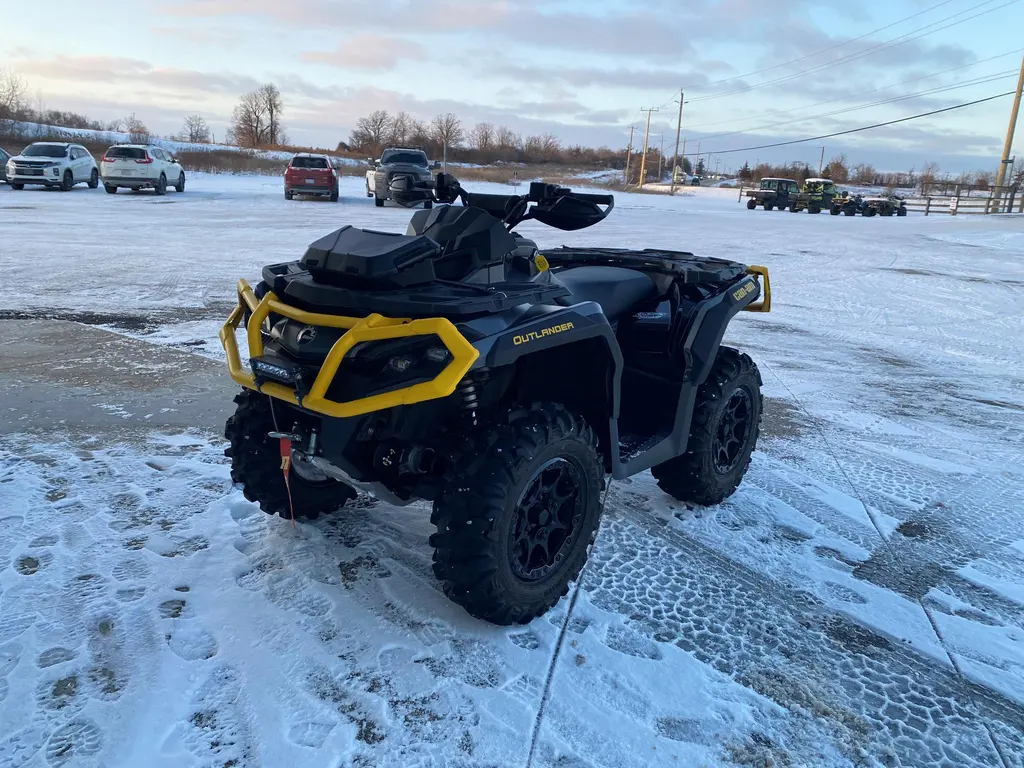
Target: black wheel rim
x=733 y=431
x=546 y=520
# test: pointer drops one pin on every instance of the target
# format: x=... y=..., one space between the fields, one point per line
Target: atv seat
x=616 y=289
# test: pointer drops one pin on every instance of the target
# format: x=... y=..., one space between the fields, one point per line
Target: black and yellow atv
x=458 y=364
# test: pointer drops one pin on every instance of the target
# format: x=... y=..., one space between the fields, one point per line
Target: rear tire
x=378 y=201
x=768 y=206
x=110 y=190
x=527 y=487
x=870 y=211
x=288 y=195
x=67 y=182
x=901 y=212
x=751 y=204
x=256 y=465
x=179 y=186
x=334 y=196
x=160 y=188
x=94 y=179
x=723 y=433
x=849 y=211
x=815 y=209
x=835 y=210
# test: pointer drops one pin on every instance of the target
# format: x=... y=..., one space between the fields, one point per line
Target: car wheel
x=334 y=195
x=94 y=179
x=835 y=210
x=110 y=190
x=378 y=201
x=67 y=182
x=288 y=194
x=768 y=206
x=160 y=187
x=180 y=185
x=16 y=186
x=751 y=204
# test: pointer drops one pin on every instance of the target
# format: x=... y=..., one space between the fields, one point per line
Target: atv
x=885 y=205
x=847 y=204
x=461 y=365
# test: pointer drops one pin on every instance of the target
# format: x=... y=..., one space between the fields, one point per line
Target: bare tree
x=270 y=99
x=137 y=131
x=447 y=130
x=863 y=173
x=371 y=132
x=506 y=138
x=419 y=133
x=196 y=130
x=838 y=169
x=12 y=96
x=983 y=179
x=248 y=121
x=401 y=127
x=482 y=136
x=929 y=172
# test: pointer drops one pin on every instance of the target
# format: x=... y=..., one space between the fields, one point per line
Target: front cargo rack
x=439 y=298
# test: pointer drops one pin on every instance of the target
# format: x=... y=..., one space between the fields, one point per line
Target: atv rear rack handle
x=765 y=304
x=374 y=327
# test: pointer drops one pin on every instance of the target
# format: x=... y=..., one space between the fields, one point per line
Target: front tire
x=515 y=523
x=723 y=433
x=16 y=186
x=256 y=465
x=67 y=182
x=751 y=204
x=835 y=210
x=378 y=201
x=110 y=190
x=180 y=184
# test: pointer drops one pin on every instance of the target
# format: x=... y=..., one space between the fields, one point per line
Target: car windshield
x=309 y=162
x=410 y=158
x=127 y=153
x=45 y=150
x=768 y=185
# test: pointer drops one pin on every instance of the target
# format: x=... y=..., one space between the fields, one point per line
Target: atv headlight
x=373 y=367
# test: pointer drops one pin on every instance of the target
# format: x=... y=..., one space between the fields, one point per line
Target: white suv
x=141 y=166
x=53 y=164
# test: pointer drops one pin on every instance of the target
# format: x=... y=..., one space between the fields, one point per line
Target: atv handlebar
x=553 y=205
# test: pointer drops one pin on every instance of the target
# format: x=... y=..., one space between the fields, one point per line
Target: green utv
x=459 y=364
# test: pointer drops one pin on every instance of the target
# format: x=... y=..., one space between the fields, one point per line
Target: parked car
x=53 y=164
x=309 y=174
x=141 y=166
x=4 y=157
x=401 y=170
x=774 y=193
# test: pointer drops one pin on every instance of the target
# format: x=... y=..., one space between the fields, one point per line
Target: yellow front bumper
x=371 y=328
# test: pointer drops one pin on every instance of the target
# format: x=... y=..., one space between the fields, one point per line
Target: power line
x=866 y=127
x=830 y=48
x=857 y=95
x=888 y=44
x=995 y=77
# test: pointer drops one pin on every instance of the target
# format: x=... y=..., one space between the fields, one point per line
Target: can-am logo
x=306 y=335
x=534 y=335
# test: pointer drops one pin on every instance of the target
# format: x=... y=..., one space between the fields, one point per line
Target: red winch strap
x=286 y=463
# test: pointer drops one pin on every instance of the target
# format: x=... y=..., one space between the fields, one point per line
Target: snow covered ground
x=859 y=601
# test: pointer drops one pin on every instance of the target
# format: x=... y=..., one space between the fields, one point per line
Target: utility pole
x=821 y=162
x=629 y=153
x=1010 y=129
x=643 y=158
x=676 y=160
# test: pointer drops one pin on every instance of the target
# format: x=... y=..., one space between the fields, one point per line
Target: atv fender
x=567 y=355
x=698 y=348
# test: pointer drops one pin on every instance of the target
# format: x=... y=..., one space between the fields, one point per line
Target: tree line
x=484 y=143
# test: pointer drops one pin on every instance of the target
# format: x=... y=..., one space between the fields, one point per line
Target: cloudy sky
x=755 y=72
